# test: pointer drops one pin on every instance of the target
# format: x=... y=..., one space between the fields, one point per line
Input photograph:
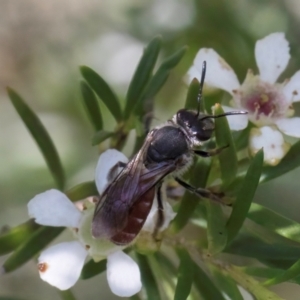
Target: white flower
x=268 y=103
x=60 y=265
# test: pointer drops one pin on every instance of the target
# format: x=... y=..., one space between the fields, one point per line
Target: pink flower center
x=264 y=102
x=261 y=104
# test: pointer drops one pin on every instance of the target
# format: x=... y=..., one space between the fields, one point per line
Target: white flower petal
x=272 y=56
x=236 y=122
x=61 y=265
x=218 y=73
x=290 y=126
x=191 y=74
x=106 y=162
x=291 y=90
x=53 y=208
x=271 y=140
x=150 y=222
x=123 y=274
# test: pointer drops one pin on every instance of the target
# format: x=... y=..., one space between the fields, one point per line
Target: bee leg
x=160 y=213
x=210 y=152
x=202 y=193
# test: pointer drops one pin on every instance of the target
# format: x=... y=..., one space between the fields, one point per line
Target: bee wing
x=111 y=214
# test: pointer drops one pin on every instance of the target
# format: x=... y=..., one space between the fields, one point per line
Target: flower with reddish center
x=60 y=265
x=269 y=104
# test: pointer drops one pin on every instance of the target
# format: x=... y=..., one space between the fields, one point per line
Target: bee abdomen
x=136 y=219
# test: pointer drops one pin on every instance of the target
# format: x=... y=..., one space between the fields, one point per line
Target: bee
x=168 y=149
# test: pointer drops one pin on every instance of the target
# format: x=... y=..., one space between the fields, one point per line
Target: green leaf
x=241 y=138
x=192 y=94
x=41 y=136
x=12 y=239
x=228 y=157
x=274 y=221
x=262 y=272
x=226 y=284
x=216 y=227
x=35 y=243
x=205 y=286
x=158 y=79
x=148 y=279
x=142 y=75
x=266 y=234
x=92 y=268
x=100 y=136
x=165 y=262
x=198 y=175
x=256 y=248
x=185 y=275
x=245 y=196
x=91 y=105
x=250 y=284
x=278 y=263
x=287 y=164
x=103 y=91
x=289 y=274
x=82 y=191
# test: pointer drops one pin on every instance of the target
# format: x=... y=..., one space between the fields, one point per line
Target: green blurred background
x=42 y=43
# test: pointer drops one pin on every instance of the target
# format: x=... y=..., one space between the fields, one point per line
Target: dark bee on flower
x=168 y=149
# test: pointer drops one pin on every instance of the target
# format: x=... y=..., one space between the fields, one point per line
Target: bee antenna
x=199 y=96
x=230 y=113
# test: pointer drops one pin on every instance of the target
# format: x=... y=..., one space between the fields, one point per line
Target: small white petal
x=236 y=122
x=290 y=126
x=291 y=90
x=191 y=74
x=271 y=140
x=123 y=274
x=53 y=208
x=272 y=56
x=106 y=162
x=218 y=73
x=150 y=222
x=61 y=265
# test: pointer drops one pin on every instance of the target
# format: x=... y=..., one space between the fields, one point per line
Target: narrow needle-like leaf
x=226 y=284
x=13 y=238
x=82 y=191
x=245 y=196
x=100 y=136
x=35 y=243
x=198 y=176
x=103 y=91
x=142 y=75
x=216 y=227
x=158 y=80
x=228 y=157
x=41 y=136
x=92 y=269
x=205 y=286
x=91 y=105
x=185 y=275
x=148 y=279
x=289 y=274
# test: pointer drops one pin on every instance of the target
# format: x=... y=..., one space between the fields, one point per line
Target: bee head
x=196 y=125
x=200 y=126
